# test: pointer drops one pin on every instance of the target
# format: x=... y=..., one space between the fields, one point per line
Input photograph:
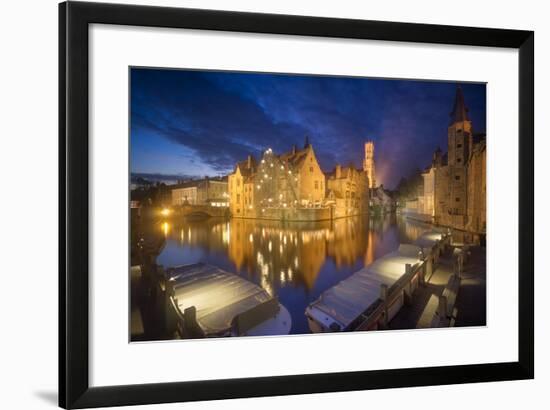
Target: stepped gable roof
x=295 y=158
x=460 y=111
x=247 y=171
x=344 y=171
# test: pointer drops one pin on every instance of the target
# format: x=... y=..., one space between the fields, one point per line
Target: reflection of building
x=347 y=240
x=347 y=191
x=276 y=255
x=208 y=191
x=368 y=163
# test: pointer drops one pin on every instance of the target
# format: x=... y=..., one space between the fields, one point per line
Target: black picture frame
x=74 y=387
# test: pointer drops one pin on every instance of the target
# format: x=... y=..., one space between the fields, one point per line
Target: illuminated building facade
x=454 y=186
x=347 y=191
x=368 y=164
x=282 y=186
x=208 y=191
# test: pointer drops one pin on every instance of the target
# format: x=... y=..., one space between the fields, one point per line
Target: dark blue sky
x=196 y=123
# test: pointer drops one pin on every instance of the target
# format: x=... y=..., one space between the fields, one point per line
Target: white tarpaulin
x=428 y=239
x=218 y=296
x=351 y=297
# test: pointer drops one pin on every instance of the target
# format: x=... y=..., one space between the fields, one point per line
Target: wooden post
x=429 y=266
x=442 y=309
x=408 y=288
x=460 y=263
x=384 y=297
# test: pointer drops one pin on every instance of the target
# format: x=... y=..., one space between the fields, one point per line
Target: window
x=238 y=197
x=459 y=160
x=316 y=184
x=310 y=169
x=459 y=145
x=457 y=199
x=457 y=177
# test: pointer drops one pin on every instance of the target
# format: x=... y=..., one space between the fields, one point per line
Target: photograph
x=270 y=204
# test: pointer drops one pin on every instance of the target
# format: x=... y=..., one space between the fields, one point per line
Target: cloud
x=219 y=118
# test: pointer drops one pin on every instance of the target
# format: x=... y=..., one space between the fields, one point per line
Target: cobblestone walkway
x=471 y=300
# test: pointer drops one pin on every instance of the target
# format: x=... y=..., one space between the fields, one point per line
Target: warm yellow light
x=165 y=212
x=165 y=228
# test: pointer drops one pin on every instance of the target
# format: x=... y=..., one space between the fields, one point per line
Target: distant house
x=348 y=191
x=207 y=191
x=241 y=188
x=381 y=201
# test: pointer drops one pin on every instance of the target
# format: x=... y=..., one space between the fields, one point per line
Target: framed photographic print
x=256 y=204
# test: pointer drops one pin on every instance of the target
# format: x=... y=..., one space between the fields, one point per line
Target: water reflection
x=295 y=261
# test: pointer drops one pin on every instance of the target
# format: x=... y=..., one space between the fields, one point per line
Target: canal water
x=294 y=261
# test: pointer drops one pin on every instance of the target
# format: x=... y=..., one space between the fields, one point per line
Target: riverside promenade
x=469 y=307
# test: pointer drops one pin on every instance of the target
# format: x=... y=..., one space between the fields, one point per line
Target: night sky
x=197 y=123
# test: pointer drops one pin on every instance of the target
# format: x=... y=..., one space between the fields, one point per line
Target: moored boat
x=206 y=301
x=371 y=297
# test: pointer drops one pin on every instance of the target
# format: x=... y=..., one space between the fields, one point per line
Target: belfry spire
x=460 y=111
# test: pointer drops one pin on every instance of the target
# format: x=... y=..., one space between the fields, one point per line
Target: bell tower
x=459 y=131
x=460 y=142
x=368 y=163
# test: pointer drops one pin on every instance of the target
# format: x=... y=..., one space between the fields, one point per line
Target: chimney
x=249 y=162
x=338 y=171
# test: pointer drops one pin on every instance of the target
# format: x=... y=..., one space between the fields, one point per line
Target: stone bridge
x=204 y=211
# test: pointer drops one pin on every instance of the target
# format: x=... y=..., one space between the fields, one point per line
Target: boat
x=206 y=301
x=431 y=239
x=371 y=296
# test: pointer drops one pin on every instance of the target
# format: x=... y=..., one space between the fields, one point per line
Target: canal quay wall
x=460 y=236
x=297 y=214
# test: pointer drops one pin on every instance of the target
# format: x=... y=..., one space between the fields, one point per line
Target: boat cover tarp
x=351 y=297
x=217 y=295
x=428 y=239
